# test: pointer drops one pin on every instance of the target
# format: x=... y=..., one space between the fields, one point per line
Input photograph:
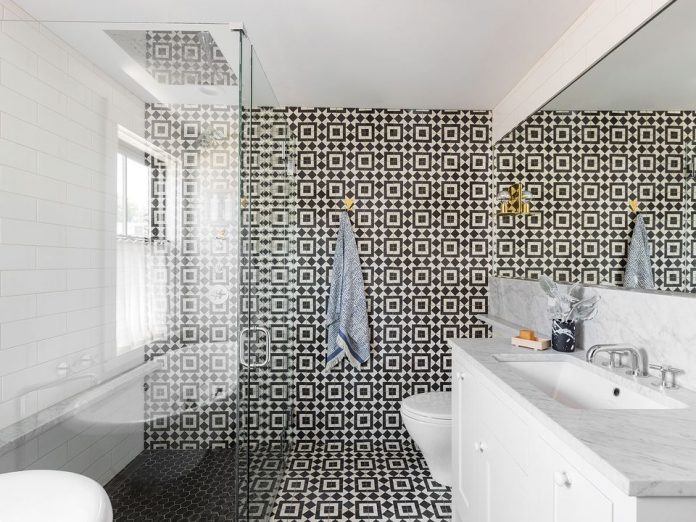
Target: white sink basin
x=577 y=385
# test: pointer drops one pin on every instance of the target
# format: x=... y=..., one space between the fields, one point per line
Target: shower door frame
x=252 y=450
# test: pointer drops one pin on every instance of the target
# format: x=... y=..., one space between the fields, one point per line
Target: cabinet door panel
x=464 y=425
x=505 y=494
x=564 y=494
x=508 y=427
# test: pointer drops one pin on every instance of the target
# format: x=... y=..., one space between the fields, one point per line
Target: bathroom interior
x=319 y=261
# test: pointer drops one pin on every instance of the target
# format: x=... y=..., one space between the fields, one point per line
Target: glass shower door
x=264 y=384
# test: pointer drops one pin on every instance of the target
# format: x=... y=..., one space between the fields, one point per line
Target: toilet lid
x=58 y=496
x=436 y=405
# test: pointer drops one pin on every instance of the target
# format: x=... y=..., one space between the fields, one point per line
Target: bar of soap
x=528 y=335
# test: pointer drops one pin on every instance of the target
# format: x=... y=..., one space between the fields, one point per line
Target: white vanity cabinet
x=464 y=448
x=490 y=486
x=505 y=472
x=510 y=468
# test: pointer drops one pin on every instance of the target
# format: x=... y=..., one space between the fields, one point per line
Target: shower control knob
x=218 y=294
x=480 y=447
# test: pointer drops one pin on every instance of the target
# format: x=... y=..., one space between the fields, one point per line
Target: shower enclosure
x=167 y=163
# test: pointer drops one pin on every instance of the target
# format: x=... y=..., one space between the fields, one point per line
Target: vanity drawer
x=509 y=428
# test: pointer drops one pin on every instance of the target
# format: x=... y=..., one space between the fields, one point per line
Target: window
x=137 y=319
x=133 y=194
x=146 y=179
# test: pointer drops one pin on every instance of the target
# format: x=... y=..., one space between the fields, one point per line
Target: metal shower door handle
x=243 y=359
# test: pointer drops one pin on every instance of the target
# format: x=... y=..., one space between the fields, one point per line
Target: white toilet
x=428 y=419
x=58 y=496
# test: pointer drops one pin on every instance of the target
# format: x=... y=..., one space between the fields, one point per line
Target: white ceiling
x=653 y=70
x=367 y=53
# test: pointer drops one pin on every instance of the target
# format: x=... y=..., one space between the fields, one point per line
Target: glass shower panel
x=265 y=347
x=244 y=289
x=187 y=468
x=162 y=360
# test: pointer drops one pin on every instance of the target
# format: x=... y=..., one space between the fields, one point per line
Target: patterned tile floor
x=360 y=486
x=318 y=484
x=260 y=482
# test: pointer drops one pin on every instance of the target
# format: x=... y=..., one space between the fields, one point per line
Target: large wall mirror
x=615 y=148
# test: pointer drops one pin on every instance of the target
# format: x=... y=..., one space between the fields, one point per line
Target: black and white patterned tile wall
x=422 y=184
x=192 y=401
x=422 y=221
x=187 y=58
x=582 y=168
x=268 y=278
x=200 y=399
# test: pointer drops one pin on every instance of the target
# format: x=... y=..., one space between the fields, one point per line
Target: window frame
x=129 y=152
x=135 y=144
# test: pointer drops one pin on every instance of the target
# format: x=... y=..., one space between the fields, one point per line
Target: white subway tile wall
x=58 y=142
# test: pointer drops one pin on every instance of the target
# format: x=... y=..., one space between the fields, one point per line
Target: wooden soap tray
x=537 y=344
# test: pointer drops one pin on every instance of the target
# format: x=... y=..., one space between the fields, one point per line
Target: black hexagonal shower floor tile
x=175 y=485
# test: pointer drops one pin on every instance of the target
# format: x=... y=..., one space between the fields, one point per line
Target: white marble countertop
x=645 y=453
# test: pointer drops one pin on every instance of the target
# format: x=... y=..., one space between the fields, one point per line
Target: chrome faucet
x=616 y=353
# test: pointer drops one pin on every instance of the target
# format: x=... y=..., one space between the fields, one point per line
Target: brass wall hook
x=348 y=204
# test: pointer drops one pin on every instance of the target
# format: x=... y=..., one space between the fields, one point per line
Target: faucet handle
x=667 y=374
x=615 y=359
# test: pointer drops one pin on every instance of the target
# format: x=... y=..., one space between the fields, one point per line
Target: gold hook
x=633 y=203
x=348 y=204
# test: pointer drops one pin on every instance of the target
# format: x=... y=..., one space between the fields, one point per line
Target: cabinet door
x=464 y=439
x=565 y=495
x=505 y=488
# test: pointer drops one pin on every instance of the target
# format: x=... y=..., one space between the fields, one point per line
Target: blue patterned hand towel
x=348 y=332
x=639 y=271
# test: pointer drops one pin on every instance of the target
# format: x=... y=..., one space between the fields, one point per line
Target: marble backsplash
x=661 y=323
